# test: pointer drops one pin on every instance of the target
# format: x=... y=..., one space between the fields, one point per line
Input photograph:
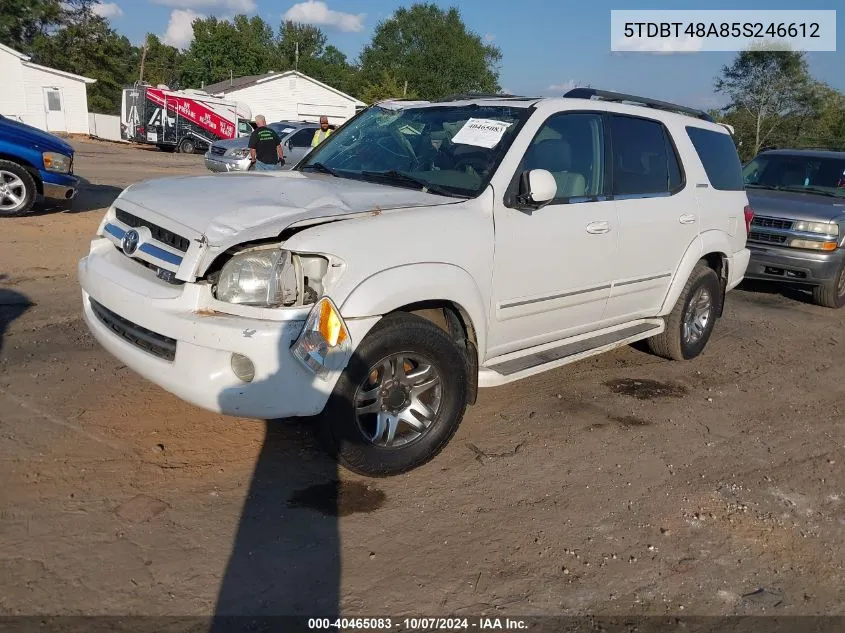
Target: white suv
x=424 y=250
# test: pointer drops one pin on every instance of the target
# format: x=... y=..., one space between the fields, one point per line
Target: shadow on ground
x=89 y=197
x=285 y=558
x=788 y=291
x=12 y=305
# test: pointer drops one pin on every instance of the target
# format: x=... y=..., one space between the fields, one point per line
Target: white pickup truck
x=424 y=250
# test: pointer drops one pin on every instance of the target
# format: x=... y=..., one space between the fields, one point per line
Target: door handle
x=687 y=218
x=598 y=228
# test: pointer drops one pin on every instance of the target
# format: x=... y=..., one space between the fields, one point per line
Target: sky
x=547 y=46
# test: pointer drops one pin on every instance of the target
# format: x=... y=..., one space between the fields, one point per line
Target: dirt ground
x=625 y=484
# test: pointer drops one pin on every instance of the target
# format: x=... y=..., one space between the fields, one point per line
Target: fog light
x=243 y=368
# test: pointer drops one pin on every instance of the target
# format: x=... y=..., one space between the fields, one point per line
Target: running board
x=518 y=365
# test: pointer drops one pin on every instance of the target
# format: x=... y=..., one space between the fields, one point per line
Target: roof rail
x=618 y=97
x=466 y=96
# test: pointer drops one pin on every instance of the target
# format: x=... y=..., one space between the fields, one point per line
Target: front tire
x=690 y=324
x=832 y=293
x=400 y=399
x=18 y=190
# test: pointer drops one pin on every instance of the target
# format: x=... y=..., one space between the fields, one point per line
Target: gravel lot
x=621 y=485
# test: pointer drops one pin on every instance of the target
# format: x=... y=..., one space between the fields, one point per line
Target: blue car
x=32 y=163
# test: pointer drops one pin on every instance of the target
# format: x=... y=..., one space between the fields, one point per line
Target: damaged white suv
x=424 y=250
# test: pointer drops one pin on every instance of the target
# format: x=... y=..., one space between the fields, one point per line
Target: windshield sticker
x=481 y=133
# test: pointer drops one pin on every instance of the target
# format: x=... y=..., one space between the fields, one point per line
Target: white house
x=49 y=99
x=290 y=95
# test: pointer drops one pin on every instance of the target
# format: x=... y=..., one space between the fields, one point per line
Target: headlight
x=240 y=153
x=816 y=227
x=56 y=162
x=324 y=344
x=813 y=245
x=263 y=277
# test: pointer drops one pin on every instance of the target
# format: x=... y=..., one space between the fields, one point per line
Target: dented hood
x=232 y=208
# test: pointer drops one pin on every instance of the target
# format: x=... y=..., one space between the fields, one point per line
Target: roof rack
x=618 y=97
x=466 y=96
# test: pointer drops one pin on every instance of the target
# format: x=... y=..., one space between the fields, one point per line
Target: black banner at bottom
x=533 y=624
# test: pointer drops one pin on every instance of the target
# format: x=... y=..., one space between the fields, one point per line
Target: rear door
x=658 y=215
x=297 y=145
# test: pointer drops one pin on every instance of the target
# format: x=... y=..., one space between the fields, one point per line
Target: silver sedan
x=233 y=154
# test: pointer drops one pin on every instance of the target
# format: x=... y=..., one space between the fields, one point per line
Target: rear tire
x=406 y=366
x=690 y=324
x=831 y=294
x=187 y=146
x=18 y=190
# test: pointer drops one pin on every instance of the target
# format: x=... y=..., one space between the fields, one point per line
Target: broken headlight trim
x=263 y=277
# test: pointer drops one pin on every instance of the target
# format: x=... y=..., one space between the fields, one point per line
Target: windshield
x=795 y=172
x=449 y=150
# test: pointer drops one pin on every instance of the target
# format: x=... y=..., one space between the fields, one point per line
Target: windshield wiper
x=814 y=190
x=322 y=168
x=393 y=175
x=757 y=186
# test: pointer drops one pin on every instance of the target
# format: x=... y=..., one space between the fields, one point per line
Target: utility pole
x=405 y=90
x=143 y=59
x=296 y=58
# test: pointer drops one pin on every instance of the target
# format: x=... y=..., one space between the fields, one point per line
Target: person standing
x=323 y=133
x=265 y=146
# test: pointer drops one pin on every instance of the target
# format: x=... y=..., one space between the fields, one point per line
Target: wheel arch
x=442 y=293
x=29 y=167
x=711 y=247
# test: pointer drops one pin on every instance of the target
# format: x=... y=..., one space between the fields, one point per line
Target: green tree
x=765 y=88
x=86 y=45
x=221 y=49
x=22 y=21
x=387 y=87
x=162 y=63
x=310 y=41
x=433 y=50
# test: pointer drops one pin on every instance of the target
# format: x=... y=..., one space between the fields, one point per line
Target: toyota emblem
x=130 y=240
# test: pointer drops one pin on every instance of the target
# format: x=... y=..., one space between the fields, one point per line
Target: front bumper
x=225 y=163
x=792 y=265
x=59 y=186
x=200 y=371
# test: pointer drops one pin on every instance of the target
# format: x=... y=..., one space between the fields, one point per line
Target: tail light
x=749 y=215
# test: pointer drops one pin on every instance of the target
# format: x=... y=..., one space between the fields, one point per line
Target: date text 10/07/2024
x=411 y=624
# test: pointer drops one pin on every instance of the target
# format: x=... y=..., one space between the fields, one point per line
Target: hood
x=795 y=206
x=229 y=209
x=33 y=137
x=233 y=143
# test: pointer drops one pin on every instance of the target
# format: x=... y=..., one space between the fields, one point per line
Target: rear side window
x=302 y=138
x=718 y=155
x=644 y=160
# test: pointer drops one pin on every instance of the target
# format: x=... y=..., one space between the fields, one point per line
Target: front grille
x=218 y=151
x=768 y=238
x=156 y=344
x=159 y=234
x=771 y=223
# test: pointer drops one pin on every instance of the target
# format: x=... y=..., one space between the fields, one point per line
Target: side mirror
x=537 y=188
